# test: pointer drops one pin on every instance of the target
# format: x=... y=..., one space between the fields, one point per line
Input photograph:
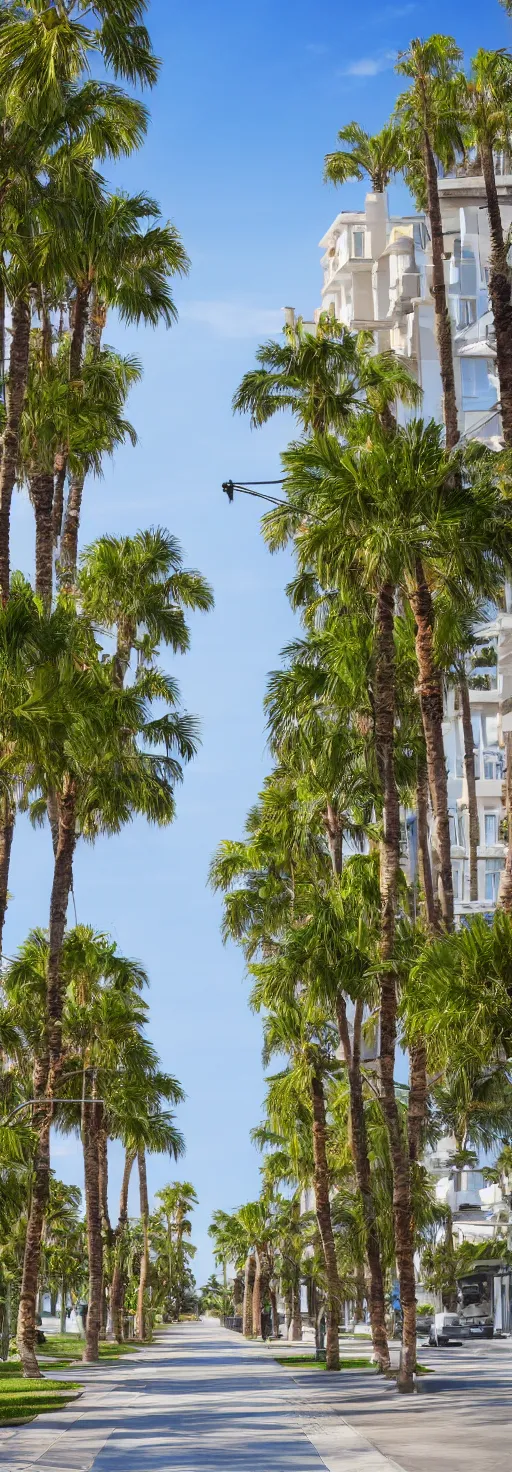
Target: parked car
x=454 y=1328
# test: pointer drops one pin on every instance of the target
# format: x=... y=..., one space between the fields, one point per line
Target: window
x=493 y=868
x=461 y=830
x=491 y=828
x=358 y=244
x=466 y=311
x=477 y=391
x=493 y=766
x=420 y=234
x=491 y=730
x=456 y=886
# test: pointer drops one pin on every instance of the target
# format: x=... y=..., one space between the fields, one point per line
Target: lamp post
x=49 y=1103
x=245 y=487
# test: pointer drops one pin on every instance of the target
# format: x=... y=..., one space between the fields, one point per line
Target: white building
x=377 y=272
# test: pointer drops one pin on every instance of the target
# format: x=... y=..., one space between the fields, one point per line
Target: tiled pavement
x=200 y=1400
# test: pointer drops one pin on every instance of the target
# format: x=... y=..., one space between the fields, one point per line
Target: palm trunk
x=389 y=870
x=275 y=1315
x=26 y=1335
x=431 y=702
x=323 y=1212
x=359 y=1140
x=469 y=767
x=144 y=1261
x=8 y=812
x=295 y=1330
x=117 y=1290
x=18 y=372
x=334 y=832
x=238 y=1296
x=106 y=1228
x=256 y=1297
x=418 y=1090
x=80 y=316
x=499 y=291
x=41 y=495
x=103 y=1180
x=360 y=1294
x=6 y=1322
x=442 y=316
x=450 y=1295
x=60 y=471
x=68 y=553
x=417 y=1103
x=62 y=880
x=425 y=866
x=61 y=889
x=63 y=1315
x=94 y=1237
x=249 y=1273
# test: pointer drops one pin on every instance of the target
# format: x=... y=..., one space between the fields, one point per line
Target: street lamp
x=230 y=486
x=49 y=1103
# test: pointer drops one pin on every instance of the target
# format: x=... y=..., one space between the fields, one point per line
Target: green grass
x=22 y=1399
x=309 y=1359
x=71 y=1347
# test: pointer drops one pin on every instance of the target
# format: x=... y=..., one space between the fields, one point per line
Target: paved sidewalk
x=198 y=1400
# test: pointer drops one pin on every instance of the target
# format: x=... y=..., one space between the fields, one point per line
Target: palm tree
x=118 y=254
x=138 y=587
x=322 y=377
x=488 y=104
x=429 y=116
x=177 y=1200
x=88 y=422
x=86 y=744
x=426 y=552
x=32 y=50
x=50 y=146
x=379 y=155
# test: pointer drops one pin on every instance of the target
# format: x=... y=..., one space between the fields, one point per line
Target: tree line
x=401 y=535
x=92 y=729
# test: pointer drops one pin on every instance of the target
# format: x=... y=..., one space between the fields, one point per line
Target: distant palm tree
x=430 y=117
x=380 y=155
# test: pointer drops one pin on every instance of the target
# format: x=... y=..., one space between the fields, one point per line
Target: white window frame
x=493 y=868
x=490 y=842
x=465 y=317
x=358 y=230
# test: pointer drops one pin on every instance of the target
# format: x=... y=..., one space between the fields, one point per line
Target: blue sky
x=250 y=99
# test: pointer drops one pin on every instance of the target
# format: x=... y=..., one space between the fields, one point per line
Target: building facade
x=377 y=272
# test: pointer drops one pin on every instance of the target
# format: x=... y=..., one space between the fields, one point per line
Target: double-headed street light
x=230 y=486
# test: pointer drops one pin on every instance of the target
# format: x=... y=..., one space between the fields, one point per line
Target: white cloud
x=232 y=318
x=369 y=66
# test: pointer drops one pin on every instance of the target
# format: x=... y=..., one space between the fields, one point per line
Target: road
x=201 y=1400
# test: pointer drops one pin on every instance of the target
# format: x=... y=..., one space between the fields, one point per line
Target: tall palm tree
x=488 y=116
x=379 y=566
x=51 y=142
x=380 y=155
x=86 y=745
x=88 y=422
x=137 y=586
x=176 y=1200
x=322 y=377
x=309 y=1045
x=429 y=115
x=118 y=254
